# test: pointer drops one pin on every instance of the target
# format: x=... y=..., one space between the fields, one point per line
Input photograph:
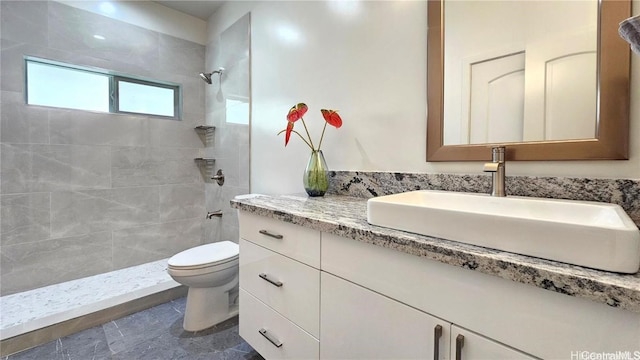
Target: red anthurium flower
x=332 y=117
x=287 y=135
x=297 y=112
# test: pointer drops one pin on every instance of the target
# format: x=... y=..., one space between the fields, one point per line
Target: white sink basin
x=591 y=234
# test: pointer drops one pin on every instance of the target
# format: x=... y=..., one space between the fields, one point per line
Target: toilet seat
x=221 y=255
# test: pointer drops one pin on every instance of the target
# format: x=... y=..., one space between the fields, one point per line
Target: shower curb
x=44 y=335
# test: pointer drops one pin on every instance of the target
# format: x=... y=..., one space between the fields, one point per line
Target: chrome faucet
x=496 y=168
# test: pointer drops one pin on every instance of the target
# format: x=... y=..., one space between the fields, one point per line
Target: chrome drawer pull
x=459 y=346
x=437 y=334
x=265 y=232
x=263 y=276
x=272 y=340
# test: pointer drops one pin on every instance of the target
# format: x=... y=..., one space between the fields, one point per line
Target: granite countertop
x=347 y=216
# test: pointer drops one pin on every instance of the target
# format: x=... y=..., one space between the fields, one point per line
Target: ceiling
x=200 y=9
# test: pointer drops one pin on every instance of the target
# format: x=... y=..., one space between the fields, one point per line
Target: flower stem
x=322 y=136
x=309 y=136
x=305 y=141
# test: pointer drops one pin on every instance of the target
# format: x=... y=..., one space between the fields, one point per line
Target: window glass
x=145 y=99
x=237 y=111
x=52 y=85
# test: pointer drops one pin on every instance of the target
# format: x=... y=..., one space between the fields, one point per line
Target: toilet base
x=207 y=307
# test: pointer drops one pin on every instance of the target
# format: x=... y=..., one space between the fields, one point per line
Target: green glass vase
x=316 y=176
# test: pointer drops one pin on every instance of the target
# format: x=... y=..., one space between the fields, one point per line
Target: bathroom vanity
x=317 y=281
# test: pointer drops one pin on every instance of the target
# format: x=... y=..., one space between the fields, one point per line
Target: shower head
x=207 y=76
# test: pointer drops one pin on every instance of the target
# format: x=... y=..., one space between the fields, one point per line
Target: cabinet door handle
x=459 y=346
x=271 y=339
x=437 y=334
x=265 y=232
x=276 y=283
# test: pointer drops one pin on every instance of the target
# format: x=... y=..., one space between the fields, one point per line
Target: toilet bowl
x=211 y=273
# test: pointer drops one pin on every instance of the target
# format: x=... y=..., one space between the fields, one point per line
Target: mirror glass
x=519 y=71
x=547 y=78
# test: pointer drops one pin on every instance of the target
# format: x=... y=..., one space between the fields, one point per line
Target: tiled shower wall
x=82 y=192
x=228 y=111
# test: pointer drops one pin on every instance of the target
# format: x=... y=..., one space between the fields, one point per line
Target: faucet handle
x=491 y=167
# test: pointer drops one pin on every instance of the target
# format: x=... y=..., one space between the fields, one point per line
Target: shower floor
x=31 y=310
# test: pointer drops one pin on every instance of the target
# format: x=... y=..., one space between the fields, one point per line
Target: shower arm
x=207 y=76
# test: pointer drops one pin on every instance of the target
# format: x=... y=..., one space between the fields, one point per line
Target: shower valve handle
x=218 y=177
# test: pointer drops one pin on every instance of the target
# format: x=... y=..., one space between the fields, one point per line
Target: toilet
x=211 y=273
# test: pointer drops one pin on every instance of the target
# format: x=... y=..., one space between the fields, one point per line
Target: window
x=56 y=84
x=237 y=110
x=145 y=97
x=52 y=85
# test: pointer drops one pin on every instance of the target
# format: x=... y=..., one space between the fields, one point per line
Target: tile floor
x=155 y=334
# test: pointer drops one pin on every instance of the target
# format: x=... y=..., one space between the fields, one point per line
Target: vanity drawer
x=294 y=241
x=282 y=339
x=288 y=286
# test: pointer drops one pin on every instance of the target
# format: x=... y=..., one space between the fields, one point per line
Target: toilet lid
x=209 y=254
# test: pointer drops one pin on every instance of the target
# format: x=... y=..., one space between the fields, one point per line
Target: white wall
x=368 y=60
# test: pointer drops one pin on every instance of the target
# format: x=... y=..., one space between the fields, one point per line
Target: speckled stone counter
x=347 y=217
x=366 y=184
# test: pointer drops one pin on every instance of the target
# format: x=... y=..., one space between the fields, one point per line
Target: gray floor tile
x=154 y=334
x=237 y=355
x=87 y=344
x=153 y=349
x=221 y=337
x=45 y=351
x=125 y=333
x=244 y=347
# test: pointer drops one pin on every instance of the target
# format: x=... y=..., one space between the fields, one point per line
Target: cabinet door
x=466 y=345
x=356 y=323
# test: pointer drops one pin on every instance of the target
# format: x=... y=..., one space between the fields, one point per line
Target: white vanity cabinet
x=279 y=288
x=345 y=299
x=505 y=314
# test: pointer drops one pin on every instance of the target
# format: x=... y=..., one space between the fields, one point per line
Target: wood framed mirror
x=611 y=140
